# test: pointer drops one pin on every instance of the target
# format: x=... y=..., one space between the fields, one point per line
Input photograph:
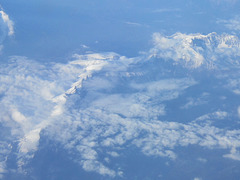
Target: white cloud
x=238 y=111
x=113 y=154
x=166 y=10
x=202 y=160
x=197 y=178
x=6 y=27
x=8 y=22
x=133 y=23
x=2 y=168
x=106 y=100
x=136 y=24
x=33 y=94
x=18 y=117
x=217 y=115
x=30 y=141
x=234 y=85
x=90 y=165
x=232 y=24
x=5 y=149
x=165 y=85
x=192 y=102
x=231 y=2
x=234 y=154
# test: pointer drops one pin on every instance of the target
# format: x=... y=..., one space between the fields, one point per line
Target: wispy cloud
x=133 y=23
x=166 y=10
x=232 y=24
x=238 y=111
x=224 y=1
x=136 y=24
x=8 y=22
x=197 y=178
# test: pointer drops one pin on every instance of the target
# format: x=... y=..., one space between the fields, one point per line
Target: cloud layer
x=102 y=104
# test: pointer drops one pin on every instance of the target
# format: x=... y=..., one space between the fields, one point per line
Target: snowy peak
x=195 y=50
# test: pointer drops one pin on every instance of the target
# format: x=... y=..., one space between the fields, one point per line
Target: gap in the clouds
x=136 y=165
x=52 y=161
x=12 y=165
x=5 y=133
x=203 y=162
x=204 y=98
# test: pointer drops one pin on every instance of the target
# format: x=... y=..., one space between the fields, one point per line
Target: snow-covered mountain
x=103 y=109
x=195 y=50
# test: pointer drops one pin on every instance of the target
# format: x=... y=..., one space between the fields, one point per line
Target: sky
x=59 y=28
x=119 y=89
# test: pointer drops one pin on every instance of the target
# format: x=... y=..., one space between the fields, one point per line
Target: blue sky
x=59 y=28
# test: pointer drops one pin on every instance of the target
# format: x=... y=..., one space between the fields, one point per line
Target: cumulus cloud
x=234 y=154
x=27 y=96
x=99 y=104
